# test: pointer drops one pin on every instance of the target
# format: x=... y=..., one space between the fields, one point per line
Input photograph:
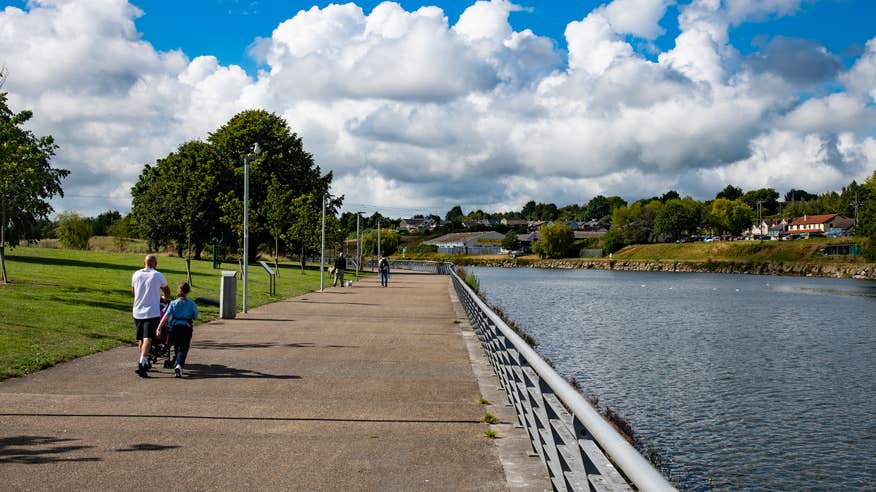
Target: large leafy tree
x=27 y=180
x=152 y=219
x=635 y=223
x=867 y=214
x=303 y=233
x=768 y=198
x=677 y=218
x=283 y=158
x=730 y=192
x=73 y=230
x=556 y=240
x=732 y=216
x=191 y=180
x=278 y=215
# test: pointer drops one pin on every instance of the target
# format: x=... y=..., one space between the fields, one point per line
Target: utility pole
x=760 y=218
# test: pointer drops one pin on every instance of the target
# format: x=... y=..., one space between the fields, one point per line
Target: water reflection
x=747 y=382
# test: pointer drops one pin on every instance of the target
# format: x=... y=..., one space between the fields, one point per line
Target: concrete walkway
x=362 y=388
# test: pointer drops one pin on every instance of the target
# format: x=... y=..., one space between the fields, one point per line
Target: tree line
x=670 y=217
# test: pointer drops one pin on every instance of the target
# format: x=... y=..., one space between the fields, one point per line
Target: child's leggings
x=182 y=338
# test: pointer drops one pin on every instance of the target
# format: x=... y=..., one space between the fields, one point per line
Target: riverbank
x=797 y=258
x=865 y=271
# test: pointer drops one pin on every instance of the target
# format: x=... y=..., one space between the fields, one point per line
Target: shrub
x=73 y=231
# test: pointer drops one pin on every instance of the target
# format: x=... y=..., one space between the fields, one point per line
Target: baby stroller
x=161 y=345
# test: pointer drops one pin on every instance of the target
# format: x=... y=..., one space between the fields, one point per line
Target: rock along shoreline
x=840 y=270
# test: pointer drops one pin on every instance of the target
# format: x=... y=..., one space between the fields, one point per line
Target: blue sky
x=416 y=115
x=225 y=28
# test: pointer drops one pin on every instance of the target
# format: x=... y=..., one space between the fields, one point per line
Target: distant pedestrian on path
x=340 y=266
x=179 y=319
x=147 y=285
x=383 y=268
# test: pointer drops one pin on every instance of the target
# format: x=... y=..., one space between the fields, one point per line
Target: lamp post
x=322 y=248
x=358 y=246
x=257 y=149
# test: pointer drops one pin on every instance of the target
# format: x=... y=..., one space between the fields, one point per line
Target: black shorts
x=146 y=328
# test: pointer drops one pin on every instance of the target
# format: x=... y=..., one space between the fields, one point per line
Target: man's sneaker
x=141 y=371
x=177 y=372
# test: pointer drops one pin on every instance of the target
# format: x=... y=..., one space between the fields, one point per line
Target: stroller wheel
x=168 y=363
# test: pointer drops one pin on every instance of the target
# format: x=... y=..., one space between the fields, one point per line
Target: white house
x=819 y=224
x=469 y=243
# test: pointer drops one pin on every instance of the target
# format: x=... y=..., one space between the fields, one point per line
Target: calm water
x=745 y=382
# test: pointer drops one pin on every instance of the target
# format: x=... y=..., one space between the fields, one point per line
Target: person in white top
x=147 y=285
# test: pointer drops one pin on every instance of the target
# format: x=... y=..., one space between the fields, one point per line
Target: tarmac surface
x=362 y=388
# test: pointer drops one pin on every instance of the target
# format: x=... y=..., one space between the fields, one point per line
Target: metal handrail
x=579 y=448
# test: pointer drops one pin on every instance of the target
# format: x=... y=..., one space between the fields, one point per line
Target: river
x=741 y=382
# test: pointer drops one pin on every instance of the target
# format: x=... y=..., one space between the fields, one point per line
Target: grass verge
x=63 y=304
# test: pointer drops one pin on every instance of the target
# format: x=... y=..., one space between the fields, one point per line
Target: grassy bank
x=801 y=251
x=63 y=304
x=806 y=251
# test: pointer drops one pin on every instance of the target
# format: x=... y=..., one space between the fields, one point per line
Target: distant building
x=418 y=224
x=820 y=224
x=772 y=228
x=469 y=243
x=516 y=224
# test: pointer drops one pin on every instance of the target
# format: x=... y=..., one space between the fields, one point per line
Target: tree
x=122 y=231
x=101 y=224
x=677 y=218
x=193 y=193
x=304 y=233
x=454 y=215
x=73 y=230
x=388 y=242
x=510 y=241
x=670 y=195
x=636 y=222
x=556 y=240
x=27 y=180
x=731 y=216
x=768 y=197
x=867 y=215
x=149 y=215
x=799 y=196
x=278 y=215
x=729 y=192
x=283 y=157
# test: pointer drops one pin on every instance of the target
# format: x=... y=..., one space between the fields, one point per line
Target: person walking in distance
x=147 y=286
x=178 y=318
x=340 y=265
x=383 y=268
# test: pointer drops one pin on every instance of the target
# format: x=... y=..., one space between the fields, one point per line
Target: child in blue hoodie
x=179 y=317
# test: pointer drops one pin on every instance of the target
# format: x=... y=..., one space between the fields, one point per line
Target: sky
x=420 y=106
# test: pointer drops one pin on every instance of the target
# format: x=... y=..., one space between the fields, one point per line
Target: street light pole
x=322 y=249
x=378 y=238
x=358 y=243
x=255 y=152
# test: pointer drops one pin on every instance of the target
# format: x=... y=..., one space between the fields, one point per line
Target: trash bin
x=228 y=295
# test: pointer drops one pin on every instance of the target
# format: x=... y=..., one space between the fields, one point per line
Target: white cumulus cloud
x=412 y=112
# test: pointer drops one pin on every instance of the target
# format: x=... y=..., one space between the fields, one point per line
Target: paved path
x=362 y=388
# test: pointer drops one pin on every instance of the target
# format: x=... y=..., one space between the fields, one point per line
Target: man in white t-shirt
x=147 y=285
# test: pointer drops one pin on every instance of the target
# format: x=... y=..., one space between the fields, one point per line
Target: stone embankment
x=839 y=270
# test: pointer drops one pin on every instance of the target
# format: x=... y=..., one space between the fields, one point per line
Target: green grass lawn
x=805 y=250
x=63 y=304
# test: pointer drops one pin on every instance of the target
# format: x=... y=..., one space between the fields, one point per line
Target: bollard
x=228 y=295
